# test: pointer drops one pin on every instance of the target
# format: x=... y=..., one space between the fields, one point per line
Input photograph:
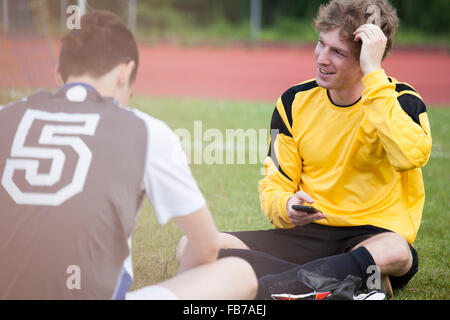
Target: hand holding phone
x=307 y=209
x=301 y=214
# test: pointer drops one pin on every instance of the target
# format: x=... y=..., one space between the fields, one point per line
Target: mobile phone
x=307 y=209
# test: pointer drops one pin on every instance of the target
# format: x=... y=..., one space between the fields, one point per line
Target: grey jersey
x=72 y=167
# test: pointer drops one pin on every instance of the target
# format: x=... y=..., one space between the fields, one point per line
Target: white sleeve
x=168 y=181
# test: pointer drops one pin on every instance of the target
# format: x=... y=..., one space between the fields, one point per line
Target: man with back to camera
x=351 y=143
x=75 y=166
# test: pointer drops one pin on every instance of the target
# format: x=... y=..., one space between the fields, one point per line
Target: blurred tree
x=428 y=16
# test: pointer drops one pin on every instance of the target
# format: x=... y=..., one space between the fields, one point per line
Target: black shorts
x=303 y=244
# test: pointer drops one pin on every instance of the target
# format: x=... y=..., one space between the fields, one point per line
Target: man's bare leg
x=229 y=278
x=392 y=255
x=227 y=241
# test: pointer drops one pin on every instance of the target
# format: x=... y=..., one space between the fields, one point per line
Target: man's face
x=337 y=67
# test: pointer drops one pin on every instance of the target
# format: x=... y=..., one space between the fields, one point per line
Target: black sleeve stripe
x=288 y=97
x=399 y=87
x=277 y=126
x=413 y=106
x=273 y=156
x=305 y=86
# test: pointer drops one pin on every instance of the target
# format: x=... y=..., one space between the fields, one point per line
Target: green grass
x=432 y=281
x=231 y=193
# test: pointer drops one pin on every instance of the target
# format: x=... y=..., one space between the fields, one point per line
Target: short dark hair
x=102 y=42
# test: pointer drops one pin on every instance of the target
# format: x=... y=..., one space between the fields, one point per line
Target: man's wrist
x=375 y=77
x=287 y=204
x=370 y=69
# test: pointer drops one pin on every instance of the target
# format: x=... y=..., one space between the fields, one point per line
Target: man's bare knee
x=242 y=273
x=228 y=241
x=400 y=257
x=390 y=252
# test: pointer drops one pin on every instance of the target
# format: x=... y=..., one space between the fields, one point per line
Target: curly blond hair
x=349 y=15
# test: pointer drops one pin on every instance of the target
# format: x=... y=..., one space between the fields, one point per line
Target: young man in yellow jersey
x=350 y=143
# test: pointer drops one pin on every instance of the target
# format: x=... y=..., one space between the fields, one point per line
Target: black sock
x=338 y=267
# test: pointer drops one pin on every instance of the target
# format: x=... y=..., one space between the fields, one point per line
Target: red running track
x=236 y=73
x=264 y=73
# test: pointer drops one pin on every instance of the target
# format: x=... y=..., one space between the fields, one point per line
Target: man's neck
x=346 y=96
x=100 y=85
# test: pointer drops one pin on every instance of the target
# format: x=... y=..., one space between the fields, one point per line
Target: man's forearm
x=406 y=143
x=273 y=202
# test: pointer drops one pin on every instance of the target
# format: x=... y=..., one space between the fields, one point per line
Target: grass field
x=231 y=193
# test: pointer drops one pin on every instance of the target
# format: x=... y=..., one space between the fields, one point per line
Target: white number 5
x=49 y=137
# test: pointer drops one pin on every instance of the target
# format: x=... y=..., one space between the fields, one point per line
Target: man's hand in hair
x=372 y=48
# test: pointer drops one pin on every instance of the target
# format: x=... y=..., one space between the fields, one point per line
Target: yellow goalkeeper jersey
x=360 y=163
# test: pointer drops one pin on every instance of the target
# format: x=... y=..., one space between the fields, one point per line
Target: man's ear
x=58 y=77
x=125 y=72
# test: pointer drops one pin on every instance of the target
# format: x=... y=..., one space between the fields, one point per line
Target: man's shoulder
x=287 y=98
x=39 y=94
x=301 y=87
x=403 y=87
x=154 y=125
x=304 y=88
x=410 y=100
